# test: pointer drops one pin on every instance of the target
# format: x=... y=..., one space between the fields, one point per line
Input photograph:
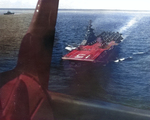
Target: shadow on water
x=89 y=80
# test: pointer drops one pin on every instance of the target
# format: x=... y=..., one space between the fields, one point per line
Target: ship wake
x=133 y=55
x=122 y=59
x=130 y=24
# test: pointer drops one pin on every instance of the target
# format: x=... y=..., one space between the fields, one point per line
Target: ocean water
x=125 y=82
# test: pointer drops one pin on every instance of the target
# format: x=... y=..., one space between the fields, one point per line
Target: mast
x=90 y=36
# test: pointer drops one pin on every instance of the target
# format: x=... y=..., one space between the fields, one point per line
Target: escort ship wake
x=94 y=48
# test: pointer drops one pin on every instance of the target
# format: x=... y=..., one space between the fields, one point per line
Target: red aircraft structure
x=23 y=90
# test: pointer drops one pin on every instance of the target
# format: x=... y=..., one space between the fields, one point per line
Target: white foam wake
x=122 y=59
x=138 y=53
x=119 y=60
x=129 y=24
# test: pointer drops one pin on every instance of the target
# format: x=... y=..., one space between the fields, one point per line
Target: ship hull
x=93 y=53
x=80 y=66
x=8 y=13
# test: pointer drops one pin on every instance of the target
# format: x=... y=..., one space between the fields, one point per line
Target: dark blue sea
x=125 y=82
